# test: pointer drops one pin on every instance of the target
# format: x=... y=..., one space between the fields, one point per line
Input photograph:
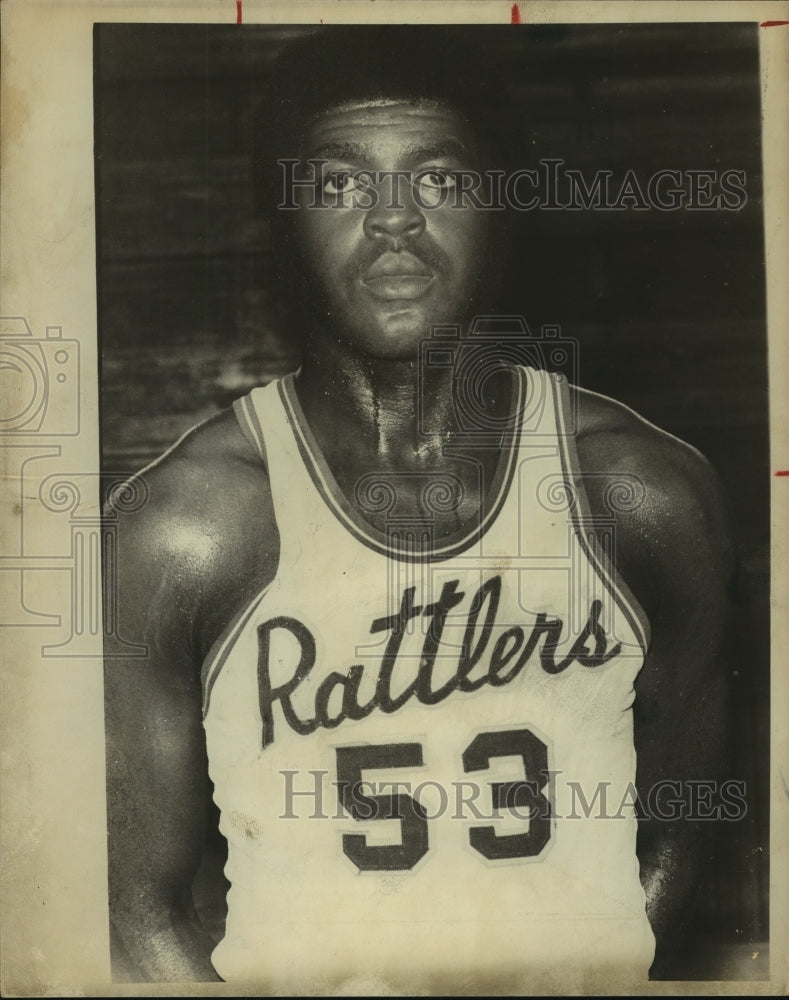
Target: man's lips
x=401 y=264
x=398 y=276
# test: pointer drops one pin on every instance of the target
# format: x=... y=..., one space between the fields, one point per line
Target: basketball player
x=382 y=615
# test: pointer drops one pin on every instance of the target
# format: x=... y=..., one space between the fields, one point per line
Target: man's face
x=387 y=264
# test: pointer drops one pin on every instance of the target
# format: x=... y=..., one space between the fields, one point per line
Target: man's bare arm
x=674 y=550
x=157 y=780
x=184 y=563
x=681 y=709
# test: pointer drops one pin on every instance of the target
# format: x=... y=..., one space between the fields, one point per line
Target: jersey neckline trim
x=336 y=501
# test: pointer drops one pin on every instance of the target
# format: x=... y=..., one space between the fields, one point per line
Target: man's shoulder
x=194 y=480
x=216 y=447
x=666 y=499
x=205 y=538
x=201 y=500
x=613 y=440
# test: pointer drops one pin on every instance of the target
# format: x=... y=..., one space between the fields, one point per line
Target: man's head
x=379 y=249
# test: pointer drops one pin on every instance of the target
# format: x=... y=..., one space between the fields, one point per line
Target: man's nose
x=395 y=212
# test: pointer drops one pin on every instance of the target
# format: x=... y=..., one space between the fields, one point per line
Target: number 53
x=351 y=761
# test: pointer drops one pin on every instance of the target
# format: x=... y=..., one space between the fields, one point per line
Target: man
x=381 y=617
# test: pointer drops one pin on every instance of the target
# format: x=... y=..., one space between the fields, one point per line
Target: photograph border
x=53 y=908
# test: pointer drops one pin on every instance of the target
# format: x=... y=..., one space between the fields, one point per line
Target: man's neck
x=389 y=413
x=398 y=419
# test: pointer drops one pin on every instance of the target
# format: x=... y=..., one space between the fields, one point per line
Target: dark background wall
x=667 y=307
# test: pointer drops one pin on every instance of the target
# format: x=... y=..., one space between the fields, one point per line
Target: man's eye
x=436 y=179
x=339 y=182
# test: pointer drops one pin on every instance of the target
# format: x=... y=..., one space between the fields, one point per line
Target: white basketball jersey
x=423 y=751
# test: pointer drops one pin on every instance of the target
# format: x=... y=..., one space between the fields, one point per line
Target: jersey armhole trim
x=249 y=425
x=221 y=649
x=598 y=557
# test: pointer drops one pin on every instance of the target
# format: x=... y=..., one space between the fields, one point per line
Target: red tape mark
x=515 y=14
x=772 y=24
x=782 y=472
x=239 y=14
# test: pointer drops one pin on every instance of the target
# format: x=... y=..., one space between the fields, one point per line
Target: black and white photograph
x=422 y=574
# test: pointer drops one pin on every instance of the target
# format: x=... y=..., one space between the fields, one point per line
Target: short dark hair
x=336 y=64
